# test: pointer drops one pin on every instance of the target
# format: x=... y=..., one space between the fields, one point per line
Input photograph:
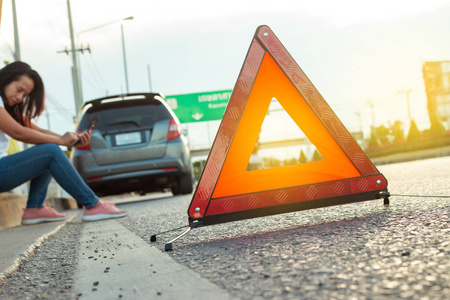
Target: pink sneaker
x=45 y=214
x=104 y=211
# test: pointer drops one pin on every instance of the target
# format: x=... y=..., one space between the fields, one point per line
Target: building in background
x=436 y=75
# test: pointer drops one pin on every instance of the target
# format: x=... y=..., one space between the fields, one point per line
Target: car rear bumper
x=130 y=175
x=154 y=168
x=146 y=180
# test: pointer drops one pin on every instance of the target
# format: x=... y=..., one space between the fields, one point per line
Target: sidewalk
x=115 y=263
x=19 y=243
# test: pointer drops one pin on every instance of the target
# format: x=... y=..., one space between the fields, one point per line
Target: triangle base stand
x=168 y=245
x=293 y=207
x=196 y=223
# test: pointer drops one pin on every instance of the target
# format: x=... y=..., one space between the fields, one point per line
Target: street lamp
x=106 y=24
x=123 y=44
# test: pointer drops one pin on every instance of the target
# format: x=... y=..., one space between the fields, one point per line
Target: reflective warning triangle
x=227 y=191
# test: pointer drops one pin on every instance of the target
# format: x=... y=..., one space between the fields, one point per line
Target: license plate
x=128 y=138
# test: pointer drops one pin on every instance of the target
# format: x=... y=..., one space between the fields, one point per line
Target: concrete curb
x=20 y=250
x=115 y=263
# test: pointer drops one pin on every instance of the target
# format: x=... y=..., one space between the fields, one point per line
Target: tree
x=316 y=156
x=397 y=132
x=436 y=127
x=413 y=133
x=383 y=134
x=271 y=162
x=290 y=162
x=373 y=141
x=302 y=159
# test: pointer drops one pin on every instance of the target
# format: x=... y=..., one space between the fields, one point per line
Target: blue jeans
x=39 y=164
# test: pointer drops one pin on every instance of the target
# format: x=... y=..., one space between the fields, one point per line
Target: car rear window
x=134 y=114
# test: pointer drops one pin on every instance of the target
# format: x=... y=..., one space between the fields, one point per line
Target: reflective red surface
x=226 y=186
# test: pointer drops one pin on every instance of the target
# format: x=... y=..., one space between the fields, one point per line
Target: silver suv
x=136 y=146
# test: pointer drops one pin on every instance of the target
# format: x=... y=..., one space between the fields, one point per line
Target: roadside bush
x=414 y=132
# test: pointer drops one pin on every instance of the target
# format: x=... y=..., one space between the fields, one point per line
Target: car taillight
x=95 y=178
x=170 y=169
x=85 y=147
x=174 y=130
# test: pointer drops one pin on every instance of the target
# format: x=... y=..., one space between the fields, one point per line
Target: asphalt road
x=355 y=251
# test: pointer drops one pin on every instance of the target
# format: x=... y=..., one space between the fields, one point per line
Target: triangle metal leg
x=385 y=195
x=153 y=237
x=168 y=246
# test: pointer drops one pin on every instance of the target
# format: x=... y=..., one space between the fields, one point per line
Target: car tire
x=183 y=185
x=186 y=184
x=175 y=189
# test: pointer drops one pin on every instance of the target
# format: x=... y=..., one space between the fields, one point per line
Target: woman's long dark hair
x=33 y=105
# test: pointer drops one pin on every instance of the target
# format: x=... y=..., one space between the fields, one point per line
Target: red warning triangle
x=227 y=191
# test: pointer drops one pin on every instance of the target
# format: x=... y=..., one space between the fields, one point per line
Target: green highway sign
x=199 y=107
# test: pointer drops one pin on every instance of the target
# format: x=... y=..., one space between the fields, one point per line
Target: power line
x=65 y=115
x=62 y=27
x=57 y=106
x=8 y=46
x=61 y=32
x=100 y=83
x=98 y=72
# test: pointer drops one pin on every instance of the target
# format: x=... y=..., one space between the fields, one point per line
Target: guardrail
x=421 y=144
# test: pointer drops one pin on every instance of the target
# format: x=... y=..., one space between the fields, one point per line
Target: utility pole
x=406 y=92
x=48 y=118
x=374 y=130
x=363 y=142
x=17 y=57
x=370 y=103
x=124 y=59
x=358 y=113
x=16 y=32
x=149 y=79
x=75 y=74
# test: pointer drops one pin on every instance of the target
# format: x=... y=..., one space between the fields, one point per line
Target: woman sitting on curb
x=22 y=93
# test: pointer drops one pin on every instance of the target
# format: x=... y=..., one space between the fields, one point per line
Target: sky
x=354 y=52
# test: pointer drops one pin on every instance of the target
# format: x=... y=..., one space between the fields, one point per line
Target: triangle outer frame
x=210 y=211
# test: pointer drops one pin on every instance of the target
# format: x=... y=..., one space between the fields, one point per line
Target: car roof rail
x=124 y=97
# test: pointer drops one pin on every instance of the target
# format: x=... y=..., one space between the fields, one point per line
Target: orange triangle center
x=234 y=179
x=272 y=151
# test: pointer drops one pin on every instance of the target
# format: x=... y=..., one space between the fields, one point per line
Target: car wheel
x=185 y=183
x=175 y=188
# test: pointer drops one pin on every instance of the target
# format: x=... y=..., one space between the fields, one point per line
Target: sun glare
x=349 y=12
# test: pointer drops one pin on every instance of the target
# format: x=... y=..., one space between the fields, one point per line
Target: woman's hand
x=85 y=138
x=69 y=138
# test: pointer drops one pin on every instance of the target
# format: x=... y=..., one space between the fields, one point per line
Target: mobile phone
x=91 y=126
